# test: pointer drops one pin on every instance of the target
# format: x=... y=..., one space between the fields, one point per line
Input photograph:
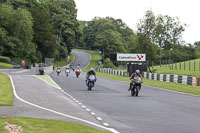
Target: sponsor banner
x=131 y=57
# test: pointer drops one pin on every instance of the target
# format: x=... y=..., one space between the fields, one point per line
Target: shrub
x=4 y=59
x=108 y=63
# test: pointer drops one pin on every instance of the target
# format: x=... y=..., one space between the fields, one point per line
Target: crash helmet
x=137 y=72
x=91 y=69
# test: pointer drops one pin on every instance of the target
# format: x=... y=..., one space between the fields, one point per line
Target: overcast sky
x=130 y=11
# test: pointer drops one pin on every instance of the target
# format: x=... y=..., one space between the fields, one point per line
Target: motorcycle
x=77 y=73
x=58 y=71
x=67 y=71
x=91 y=81
x=136 y=86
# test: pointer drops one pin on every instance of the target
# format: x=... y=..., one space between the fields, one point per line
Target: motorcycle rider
x=91 y=72
x=67 y=69
x=58 y=70
x=77 y=69
x=137 y=73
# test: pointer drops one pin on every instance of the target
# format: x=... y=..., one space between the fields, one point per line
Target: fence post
x=180 y=65
x=194 y=65
x=176 y=66
x=184 y=65
x=189 y=65
x=199 y=65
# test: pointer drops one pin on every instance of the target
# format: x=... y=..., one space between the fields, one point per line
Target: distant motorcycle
x=136 y=86
x=58 y=71
x=67 y=71
x=91 y=81
x=77 y=73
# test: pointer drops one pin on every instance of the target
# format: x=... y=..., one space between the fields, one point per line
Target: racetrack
x=153 y=111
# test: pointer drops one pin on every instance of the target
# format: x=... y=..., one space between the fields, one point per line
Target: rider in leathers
x=90 y=72
x=137 y=73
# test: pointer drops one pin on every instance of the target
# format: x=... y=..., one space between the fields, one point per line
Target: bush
x=4 y=59
x=108 y=63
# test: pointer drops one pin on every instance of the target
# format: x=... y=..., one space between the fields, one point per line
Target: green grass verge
x=94 y=61
x=46 y=126
x=165 y=85
x=181 y=68
x=63 y=62
x=6 y=94
x=5 y=65
x=47 y=79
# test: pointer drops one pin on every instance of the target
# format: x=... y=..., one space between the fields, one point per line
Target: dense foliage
x=34 y=30
x=4 y=59
x=160 y=37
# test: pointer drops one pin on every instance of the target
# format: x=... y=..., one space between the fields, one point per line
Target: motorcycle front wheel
x=132 y=91
x=90 y=86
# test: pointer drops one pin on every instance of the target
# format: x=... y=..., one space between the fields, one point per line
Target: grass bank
x=46 y=126
x=46 y=79
x=63 y=62
x=6 y=94
x=5 y=66
x=95 y=57
x=190 y=68
x=165 y=85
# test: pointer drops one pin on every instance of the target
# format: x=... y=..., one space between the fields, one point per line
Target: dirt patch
x=12 y=128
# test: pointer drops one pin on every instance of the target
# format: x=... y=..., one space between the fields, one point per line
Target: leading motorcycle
x=91 y=81
x=136 y=86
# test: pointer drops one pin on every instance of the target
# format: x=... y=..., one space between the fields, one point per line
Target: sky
x=131 y=11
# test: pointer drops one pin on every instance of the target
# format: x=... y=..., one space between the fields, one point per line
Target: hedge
x=4 y=59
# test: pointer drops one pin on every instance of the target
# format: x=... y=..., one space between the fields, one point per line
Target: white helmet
x=91 y=69
x=137 y=71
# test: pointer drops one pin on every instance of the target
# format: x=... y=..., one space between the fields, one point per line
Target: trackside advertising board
x=131 y=57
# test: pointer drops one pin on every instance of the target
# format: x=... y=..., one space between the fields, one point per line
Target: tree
x=63 y=18
x=44 y=35
x=197 y=47
x=17 y=25
x=145 y=34
x=3 y=39
x=98 y=27
x=110 y=42
x=163 y=31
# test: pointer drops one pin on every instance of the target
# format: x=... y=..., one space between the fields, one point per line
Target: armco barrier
x=188 y=80
x=114 y=72
x=182 y=79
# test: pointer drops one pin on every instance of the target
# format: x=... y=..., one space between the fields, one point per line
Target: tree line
x=160 y=37
x=34 y=30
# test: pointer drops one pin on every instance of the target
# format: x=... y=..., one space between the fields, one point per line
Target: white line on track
x=106 y=124
x=72 y=117
x=47 y=82
x=99 y=118
x=88 y=109
x=92 y=113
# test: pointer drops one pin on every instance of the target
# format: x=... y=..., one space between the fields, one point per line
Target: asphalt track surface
x=155 y=110
x=35 y=91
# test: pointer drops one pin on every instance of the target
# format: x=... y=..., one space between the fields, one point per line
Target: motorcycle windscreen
x=91 y=77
